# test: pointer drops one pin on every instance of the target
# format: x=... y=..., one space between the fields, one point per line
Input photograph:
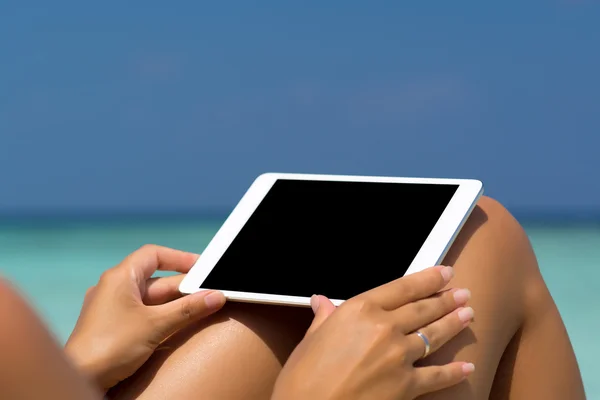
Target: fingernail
x=314 y=303
x=214 y=301
x=468 y=368
x=447 y=273
x=461 y=296
x=466 y=315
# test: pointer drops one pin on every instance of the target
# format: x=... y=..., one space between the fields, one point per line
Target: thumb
x=322 y=307
x=179 y=313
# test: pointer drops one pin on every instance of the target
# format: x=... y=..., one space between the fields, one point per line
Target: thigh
x=493 y=258
x=235 y=354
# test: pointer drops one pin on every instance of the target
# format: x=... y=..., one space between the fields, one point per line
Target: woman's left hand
x=128 y=314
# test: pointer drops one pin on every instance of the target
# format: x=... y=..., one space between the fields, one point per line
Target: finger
x=423 y=312
x=322 y=307
x=162 y=290
x=410 y=288
x=439 y=332
x=179 y=313
x=150 y=258
x=438 y=377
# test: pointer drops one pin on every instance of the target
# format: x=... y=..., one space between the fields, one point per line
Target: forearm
x=32 y=365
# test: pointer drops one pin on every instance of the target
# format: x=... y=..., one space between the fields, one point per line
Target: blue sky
x=157 y=106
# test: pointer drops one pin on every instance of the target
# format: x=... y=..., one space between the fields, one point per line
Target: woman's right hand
x=367 y=347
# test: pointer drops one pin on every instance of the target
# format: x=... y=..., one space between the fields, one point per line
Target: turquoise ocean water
x=54 y=261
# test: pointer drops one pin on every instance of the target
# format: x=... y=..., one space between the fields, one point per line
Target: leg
x=32 y=365
x=518 y=342
x=238 y=354
x=235 y=354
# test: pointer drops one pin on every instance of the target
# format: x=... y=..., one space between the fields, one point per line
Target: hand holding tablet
x=368 y=346
x=359 y=232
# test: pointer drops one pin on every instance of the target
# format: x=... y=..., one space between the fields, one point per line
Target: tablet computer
x=295 y=235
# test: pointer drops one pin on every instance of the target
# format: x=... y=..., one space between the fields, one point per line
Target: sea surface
x=53 y=261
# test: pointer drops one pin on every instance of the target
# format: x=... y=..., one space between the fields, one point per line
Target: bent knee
x=500 y=225
x=493 y=238
x=493 y=258
x=493 y=249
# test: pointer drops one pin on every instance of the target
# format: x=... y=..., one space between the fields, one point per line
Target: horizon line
x=524 y=214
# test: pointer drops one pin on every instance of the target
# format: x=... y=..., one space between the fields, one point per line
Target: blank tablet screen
x=333 y=238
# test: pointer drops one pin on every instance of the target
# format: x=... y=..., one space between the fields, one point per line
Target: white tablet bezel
x=431 y=253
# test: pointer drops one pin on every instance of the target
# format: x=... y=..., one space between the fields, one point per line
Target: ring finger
x=438 y=333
